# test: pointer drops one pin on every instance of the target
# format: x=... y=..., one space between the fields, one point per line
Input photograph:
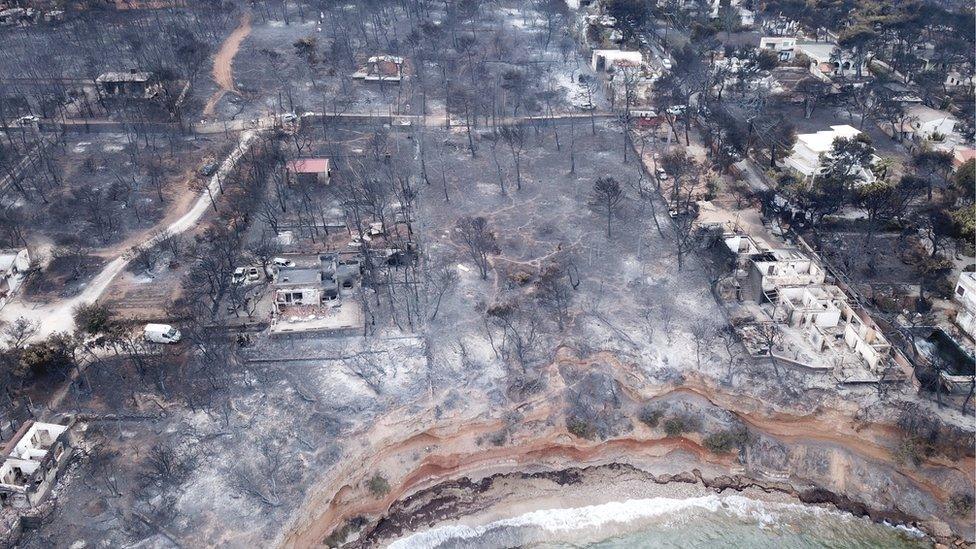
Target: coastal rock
x=690 y=478
x=937 y=528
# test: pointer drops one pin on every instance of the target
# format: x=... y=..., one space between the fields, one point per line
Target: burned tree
x=553 y=290
x=262 y=480
x=514 y=136
x=607 y=195
x=479 y=241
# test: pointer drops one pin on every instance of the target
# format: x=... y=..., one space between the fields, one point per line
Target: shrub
x=93 y=318
x=580 y=428
x=498 y=438
x=911 y=450
x=722 y=442
x=379 y=486
x=960 y=504
x=53 y=355
x=650 y=417
x=676 y=426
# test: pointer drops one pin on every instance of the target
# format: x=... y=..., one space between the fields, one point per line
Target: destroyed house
x=31 y=462
x=298 y=286
x=863 y=336
x=13 y=264
x=965 y=297
x=138 y=84
x=771 y=270
x=308 y=170
x=315 y=279
x=604 y=60
x=381 y=68
x=816 y=305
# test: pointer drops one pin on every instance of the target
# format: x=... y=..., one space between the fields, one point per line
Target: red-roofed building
x=962 y=155
x=308 y=170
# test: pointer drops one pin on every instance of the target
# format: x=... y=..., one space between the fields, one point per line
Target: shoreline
x=473 y=503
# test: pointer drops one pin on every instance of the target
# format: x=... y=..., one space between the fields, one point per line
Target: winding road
x=57 y=316
x=223 y=66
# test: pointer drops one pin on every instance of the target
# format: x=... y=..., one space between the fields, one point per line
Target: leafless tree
x=168 y=465
x=444 y=279
x=514 y=136
x=730 y=343
x=479 y=240
x=554 y=291
x=19 y=332
x=683 y=235
x=521 y=331
x=666 y=311
x=262 y=480
x=607 y=194
x=771 y=337
x=702 y=334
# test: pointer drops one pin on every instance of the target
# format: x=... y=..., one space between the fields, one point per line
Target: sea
x=712 y=521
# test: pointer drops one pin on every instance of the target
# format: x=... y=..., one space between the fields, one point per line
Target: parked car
x=26 y=121
x=289 y=117
x=208 y=168
x=661 y=174
x=666 y=63
x=375 y=228
x=246 y=274
x=161 y=333
x=282 y=262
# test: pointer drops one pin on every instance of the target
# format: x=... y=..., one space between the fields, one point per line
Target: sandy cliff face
x=588 y=416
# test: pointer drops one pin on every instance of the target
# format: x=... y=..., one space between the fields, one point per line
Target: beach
x=621 y=506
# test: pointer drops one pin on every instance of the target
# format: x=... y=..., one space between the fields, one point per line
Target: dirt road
x=57 y=316
x=223 y=66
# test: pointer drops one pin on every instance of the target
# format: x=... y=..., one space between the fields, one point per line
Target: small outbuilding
x=308 y=170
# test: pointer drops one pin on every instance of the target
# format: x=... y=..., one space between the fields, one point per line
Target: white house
x=828 y=59
x=806 y=155
x=31 y=462
x=965 y=296
x=783 y=46
x=602 y=60
x=13 y=265
x=957 y=80
x=746 y=17
x=926 y=122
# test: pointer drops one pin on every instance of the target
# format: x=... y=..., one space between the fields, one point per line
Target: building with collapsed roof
x=604 y=60
x=308 y=297
x=32 y=460
x=133 y=83
x=381 y=68
x=14 y=265
x=965 y=296
x=770 y=270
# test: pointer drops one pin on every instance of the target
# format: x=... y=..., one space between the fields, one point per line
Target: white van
x=161 y=333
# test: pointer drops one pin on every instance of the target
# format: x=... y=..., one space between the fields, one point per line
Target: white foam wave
x=592 y=517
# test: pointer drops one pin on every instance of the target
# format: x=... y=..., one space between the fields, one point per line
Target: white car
x=161 y=333
x=661 y=174
x=666 y=63
x=246 y=274
x=282 y=262
x=289 y=117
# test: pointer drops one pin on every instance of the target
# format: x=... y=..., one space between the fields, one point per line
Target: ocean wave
x=563 y=520
x=594 y=518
